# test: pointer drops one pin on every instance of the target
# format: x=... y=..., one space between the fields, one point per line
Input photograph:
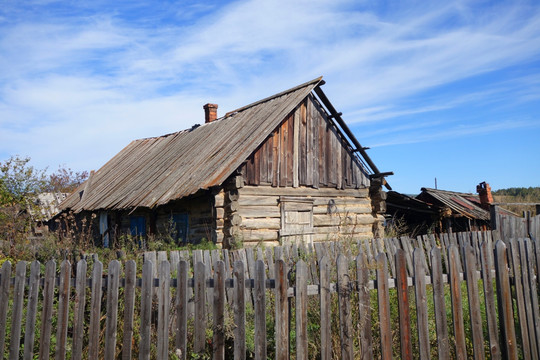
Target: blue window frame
x=137 y=225
x=181 y=226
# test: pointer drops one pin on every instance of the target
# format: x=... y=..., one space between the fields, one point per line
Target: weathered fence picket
x=491 y=309
x=421 y=303
x=129 y=307
x=31 y=310
x=78 y=309
x=457 y=305
x=345 y=319
x=441 y=325
x=296 y=280
x=18 y=300
x=402 y=287
x=47 y=311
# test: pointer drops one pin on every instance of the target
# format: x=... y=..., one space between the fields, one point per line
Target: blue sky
x=438 y=89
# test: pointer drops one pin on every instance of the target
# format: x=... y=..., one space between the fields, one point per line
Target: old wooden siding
x=306 y=150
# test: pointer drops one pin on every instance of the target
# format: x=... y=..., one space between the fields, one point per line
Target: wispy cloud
x=457 y=131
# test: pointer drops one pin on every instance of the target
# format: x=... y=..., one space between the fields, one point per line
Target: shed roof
x=465 y=204
x=153 y=171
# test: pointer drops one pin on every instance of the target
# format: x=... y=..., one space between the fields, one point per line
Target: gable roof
x=153 y=171
x=465 y=204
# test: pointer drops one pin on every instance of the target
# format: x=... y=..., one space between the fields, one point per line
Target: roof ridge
x=448 y=191
x=319 y=79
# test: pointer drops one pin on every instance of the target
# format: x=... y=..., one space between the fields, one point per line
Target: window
x=296 y=218
x=137 y=225
x=180 y=227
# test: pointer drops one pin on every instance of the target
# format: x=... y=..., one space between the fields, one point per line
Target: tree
x=19 y=181
x=65 y=180
x=20 y=185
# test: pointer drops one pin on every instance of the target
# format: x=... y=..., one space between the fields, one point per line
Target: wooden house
x=285 y=168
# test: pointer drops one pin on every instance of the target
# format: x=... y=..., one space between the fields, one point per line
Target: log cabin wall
x=336 y=214
x=307 y=165
x=196 y=211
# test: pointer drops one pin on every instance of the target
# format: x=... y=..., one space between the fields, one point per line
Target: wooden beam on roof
x=337 y=116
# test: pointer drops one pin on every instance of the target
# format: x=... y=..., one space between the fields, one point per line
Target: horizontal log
x=220 y=213
x=266 y=243
x=231 y=231
x=259 y=235
x=235 y=219
x=232 y=195
x=341 y=209
x=258 y=223
x=349 y=200
x=232 y=206
x=335 y=220
x=235 y=182
x=259 y=211
x=266 y=200
x=302 y=191
x=219 y=199
x=219 y=237
x=255 y=200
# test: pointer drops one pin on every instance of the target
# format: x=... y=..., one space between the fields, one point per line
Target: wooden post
x=31 y=311
x=491 y=312
x=474 y=303
x=239 y=311
x=79 y=307
x=164 y=303
x=63 y=310
x=504 y=301
x=494 y=212
x=199 y=334
x=301 y=311
x=457 y=306
x=384 y=307
x=129 y=306
x=16 y=317
x=46 y=314
x=403 y=304
x=218 y=340
x=326 y=319
x=282 y=312
x=113 y=282
x=344 y=296
x=146 y=309
x=443 y=344
x=259 y=294
x=421 y=303
x=182 y=307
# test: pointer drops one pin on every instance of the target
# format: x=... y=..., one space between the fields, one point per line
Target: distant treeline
x=520 y=193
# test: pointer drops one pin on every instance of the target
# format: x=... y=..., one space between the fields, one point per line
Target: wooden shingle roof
x=154 y=171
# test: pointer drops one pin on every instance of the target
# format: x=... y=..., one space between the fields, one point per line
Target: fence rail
x=366 y=299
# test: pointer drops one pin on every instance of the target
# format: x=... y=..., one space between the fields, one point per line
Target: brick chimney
x=210 y=112
x=484 y=192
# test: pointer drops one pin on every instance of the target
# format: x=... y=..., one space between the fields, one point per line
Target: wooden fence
x=458 y=296
x=509 y=225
